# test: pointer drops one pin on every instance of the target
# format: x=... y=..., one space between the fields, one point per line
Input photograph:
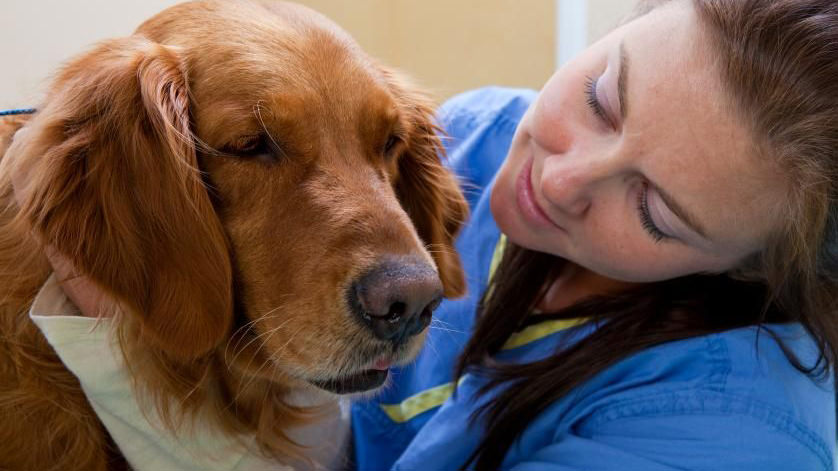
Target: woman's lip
x=530 y=208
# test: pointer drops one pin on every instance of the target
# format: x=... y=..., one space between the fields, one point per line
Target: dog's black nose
x=396 y=298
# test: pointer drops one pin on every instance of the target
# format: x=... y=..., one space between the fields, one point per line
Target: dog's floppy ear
x=113 y=184
x=426 y=189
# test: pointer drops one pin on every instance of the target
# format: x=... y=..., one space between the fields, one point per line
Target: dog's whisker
x=439 y=248
x=266 y=336
x=268 y=360
x=253 y=322
x=429 y=343
x=442 y=329
x=257 y=337
x=257 y=111
x=196 y=387
x=250 y=377
x=449 y=331
x=447 y=325
x=275 y=354
x=439 y=321
x=249 y=324
x=445 y=329
x=241 y=329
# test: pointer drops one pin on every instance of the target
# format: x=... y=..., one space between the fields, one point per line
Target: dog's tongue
x=382 y=364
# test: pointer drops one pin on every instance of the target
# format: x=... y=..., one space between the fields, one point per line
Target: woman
x=665 y=295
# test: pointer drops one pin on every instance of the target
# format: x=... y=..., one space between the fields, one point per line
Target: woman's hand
x=82 y=291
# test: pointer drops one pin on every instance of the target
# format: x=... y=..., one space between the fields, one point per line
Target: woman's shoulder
x=478 y=127
x=759 y=359
x=735 y=385
x=733 y=361
x=486 y=104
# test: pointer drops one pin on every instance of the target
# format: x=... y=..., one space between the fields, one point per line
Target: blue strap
x=18 y=111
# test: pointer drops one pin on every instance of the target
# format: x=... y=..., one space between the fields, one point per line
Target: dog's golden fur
x=229 y=265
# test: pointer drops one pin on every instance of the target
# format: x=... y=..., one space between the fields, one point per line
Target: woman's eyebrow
x=622 y=81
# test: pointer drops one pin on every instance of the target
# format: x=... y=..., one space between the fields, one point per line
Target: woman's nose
x=570 y=181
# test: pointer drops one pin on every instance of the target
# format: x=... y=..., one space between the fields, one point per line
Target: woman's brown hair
x=778 y=61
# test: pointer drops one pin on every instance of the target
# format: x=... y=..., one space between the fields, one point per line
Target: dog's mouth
x=359 y=382
x=364 y=380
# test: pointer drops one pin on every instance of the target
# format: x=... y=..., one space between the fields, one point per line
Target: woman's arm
x=752 y=438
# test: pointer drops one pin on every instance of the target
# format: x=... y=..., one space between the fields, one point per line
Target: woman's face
x=633 y=163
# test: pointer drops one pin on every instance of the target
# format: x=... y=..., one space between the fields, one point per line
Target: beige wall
x=38 y=35
x=451 y=46
x=605 y=15
x=446 y=45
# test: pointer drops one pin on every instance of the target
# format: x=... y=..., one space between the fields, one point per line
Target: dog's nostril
x=397 y=310
x=420 y=323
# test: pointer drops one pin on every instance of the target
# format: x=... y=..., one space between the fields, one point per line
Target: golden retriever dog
x=265 y=203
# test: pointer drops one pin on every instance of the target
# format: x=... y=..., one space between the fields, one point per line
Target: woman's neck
x=575 y=283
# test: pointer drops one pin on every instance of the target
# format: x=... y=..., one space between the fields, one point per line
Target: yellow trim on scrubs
x=537 y=331
x=434 y=397
x=418 y=403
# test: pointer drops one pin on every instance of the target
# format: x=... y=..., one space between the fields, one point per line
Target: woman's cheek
x=623 y=254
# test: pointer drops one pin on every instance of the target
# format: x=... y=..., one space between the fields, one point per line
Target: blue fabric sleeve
x=680 y=442
x=479 y=126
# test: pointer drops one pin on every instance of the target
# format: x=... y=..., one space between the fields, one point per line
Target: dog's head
x=243 y=168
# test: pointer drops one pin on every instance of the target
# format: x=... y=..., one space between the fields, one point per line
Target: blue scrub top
x=727 y=401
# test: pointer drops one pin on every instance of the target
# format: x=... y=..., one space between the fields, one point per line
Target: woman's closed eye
x=597 y=98
x=593 y=101
x=646 y=217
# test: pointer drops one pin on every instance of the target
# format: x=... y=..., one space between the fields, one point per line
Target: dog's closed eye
x=393 y=146
x=254 y=146
x=390 y=145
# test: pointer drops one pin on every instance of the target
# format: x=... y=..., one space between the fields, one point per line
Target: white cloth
x=90 y=351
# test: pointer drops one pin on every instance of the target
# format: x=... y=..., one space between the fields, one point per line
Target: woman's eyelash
x=645 y=217
x=591 y=98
